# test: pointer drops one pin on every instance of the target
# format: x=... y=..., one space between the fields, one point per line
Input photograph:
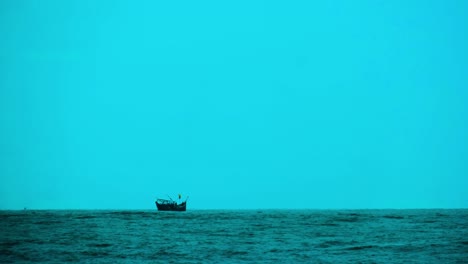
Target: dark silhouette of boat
x=171 y=205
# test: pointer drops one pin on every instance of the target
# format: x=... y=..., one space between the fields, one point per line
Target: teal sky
x=238 y=104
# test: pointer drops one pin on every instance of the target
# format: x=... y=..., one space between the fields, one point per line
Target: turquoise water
x=229 y=236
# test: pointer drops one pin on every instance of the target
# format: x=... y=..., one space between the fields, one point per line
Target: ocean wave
x=399 y=236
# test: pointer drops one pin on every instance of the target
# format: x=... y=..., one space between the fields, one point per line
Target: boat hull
x=171 y=207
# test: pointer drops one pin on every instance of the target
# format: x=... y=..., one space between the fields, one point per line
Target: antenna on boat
x=169 y=197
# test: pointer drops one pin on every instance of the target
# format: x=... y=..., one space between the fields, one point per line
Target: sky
x=236 y=104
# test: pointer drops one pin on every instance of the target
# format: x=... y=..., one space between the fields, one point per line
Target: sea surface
x=234 y=236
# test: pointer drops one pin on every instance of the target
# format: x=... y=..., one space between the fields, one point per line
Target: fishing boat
x=171 y=205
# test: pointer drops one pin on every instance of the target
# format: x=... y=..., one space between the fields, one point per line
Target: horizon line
x=237 y=209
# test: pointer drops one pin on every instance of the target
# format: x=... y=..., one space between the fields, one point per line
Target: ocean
x=235 y=236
